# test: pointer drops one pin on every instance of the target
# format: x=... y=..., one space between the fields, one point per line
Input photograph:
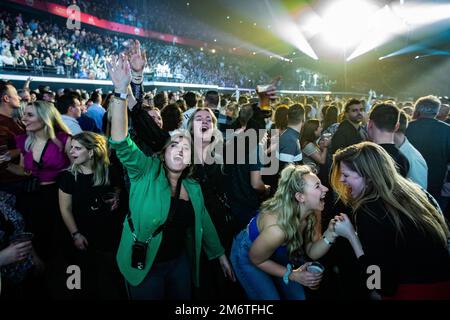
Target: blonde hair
x=288 y=210
x=382 y=182
x=100 y=160
x=53 y=123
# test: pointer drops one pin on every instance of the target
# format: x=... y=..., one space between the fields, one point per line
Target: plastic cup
x=315 y=267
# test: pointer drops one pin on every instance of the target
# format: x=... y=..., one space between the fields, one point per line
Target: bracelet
x=75 y=234
x=287 y=273
x=328 y=242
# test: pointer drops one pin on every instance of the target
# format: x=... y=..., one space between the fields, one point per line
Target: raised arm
x=138 y=60
x=119 y=70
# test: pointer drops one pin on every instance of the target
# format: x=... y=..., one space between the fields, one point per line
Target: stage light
x=286 y=29
x=392 y=21
x=345 y=22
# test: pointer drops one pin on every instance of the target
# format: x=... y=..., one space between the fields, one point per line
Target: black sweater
x=413 y=259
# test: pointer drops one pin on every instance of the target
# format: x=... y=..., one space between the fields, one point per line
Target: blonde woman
x=44 y=154
x=88 y=201
x=279 y=237
x=394 y=225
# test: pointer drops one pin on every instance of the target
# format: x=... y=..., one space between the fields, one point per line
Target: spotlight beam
x=288 y=30
x=390 y=22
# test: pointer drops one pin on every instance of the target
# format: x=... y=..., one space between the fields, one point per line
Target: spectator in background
x=330 y=122
x=314 y=152
x=383 y=123
x=350 y=130
x=161 y=100
x=96 y=111
x=280 y=119
x=289 y=146
x=191 y=103
x=431 y=138
x=443 y=113
x=69 y=106
x=418 y=169
x=9 y=130
x=172 y=117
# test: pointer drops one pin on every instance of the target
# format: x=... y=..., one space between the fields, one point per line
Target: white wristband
x=328 y=242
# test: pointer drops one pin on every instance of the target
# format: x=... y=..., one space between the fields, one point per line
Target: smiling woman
x=44 y=154
x=392 y=223
x=282 y=236
x=167 y=211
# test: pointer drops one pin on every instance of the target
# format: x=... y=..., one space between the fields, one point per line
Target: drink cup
x=315 y=267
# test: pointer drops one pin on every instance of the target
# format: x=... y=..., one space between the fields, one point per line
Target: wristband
x=75 y=233
x=122 y=96
x=287 y=273
x=328 y=242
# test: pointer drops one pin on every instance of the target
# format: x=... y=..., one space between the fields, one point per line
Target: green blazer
x=150 y=196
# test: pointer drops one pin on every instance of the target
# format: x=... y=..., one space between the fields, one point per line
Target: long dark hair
x=308 y=132
x=331 y=117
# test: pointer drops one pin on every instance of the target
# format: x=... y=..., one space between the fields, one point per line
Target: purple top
x=54 y=159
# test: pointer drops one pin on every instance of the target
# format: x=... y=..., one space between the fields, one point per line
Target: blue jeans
x=170 y=280
x=257 y=284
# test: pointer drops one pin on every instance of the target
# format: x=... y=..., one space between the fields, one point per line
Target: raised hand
x=119 y=71
x=137 y=57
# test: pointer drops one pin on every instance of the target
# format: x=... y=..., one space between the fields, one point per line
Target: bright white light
x=213 y=50
x=395 y=20
x=345 y=22
x=416 y=57
x=383 y=26
x=286 y=29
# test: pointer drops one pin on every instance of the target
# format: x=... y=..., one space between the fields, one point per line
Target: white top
x=186 y=116
x=418 y=169
x=72 y=123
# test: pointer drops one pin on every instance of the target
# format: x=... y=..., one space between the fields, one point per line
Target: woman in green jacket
x=159 y=263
